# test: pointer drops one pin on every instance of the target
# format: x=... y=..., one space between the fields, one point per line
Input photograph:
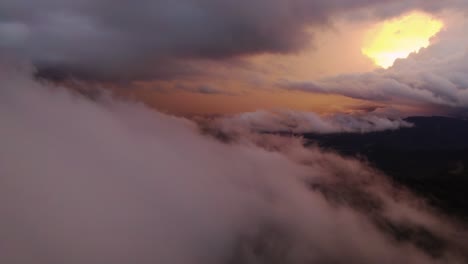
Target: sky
x=134 y=131
x=210 y=57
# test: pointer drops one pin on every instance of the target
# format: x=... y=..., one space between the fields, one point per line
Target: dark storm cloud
x=141 y=39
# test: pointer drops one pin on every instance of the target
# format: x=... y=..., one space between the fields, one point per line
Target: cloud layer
x=303 y=122
x=127 y=40
x=107 y=181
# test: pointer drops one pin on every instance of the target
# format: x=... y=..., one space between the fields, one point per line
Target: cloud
x=128 y=40
x=303 y=122
x=203 y=89
x=434 y=77
x=108 y=181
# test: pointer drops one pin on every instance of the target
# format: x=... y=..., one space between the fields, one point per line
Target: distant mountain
x=431 y=158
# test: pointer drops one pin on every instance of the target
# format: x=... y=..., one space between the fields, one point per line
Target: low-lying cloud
x=107 y=181
x=302 y=122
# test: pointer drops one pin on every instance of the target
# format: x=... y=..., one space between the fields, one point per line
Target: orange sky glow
x=397 y=38
x=347 y=48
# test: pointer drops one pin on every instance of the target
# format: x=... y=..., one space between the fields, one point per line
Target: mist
x=111 y=181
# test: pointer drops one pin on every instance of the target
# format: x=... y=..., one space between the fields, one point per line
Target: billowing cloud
x=127 y=40
x=107 y=181
x=434 y=77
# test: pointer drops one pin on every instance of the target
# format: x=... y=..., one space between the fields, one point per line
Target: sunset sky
x=210 y=57
x=233 y=132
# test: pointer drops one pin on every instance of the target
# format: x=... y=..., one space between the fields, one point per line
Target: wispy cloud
x=303 y=122
x=204 y=89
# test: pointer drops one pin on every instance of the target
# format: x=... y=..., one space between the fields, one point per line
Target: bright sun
x=397 y=38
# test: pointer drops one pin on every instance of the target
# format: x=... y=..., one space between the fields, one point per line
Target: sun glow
x=397 y=38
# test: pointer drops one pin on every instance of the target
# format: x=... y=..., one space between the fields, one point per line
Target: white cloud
x=307 y=122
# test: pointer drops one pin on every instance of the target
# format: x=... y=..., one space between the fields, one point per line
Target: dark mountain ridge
x=431 y=158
